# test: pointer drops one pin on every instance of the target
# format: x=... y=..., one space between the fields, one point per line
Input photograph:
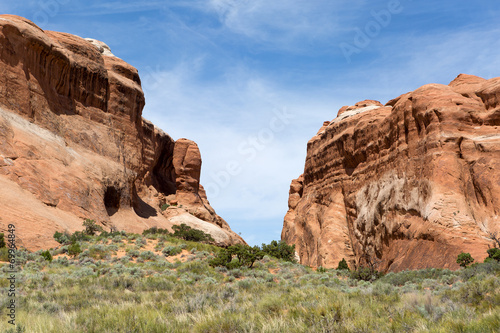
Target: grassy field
x=130 y=283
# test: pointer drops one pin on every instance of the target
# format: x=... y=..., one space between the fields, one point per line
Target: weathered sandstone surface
x=73 y=144
x=407 y=185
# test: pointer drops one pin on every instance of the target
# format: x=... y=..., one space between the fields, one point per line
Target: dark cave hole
x=111 y=200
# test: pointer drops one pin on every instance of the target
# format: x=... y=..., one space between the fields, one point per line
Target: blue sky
x=252 y=81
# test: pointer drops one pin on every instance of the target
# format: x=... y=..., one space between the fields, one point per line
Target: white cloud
x=282 y=22
x=231 y=119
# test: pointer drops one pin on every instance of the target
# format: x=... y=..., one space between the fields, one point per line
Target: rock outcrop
x=73 y=144
x=407 y=185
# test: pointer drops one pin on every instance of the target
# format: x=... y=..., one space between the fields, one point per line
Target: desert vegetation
x=158 y=282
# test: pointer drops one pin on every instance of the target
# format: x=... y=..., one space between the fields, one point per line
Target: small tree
x=185 y=232
x=46 y=255
x=243 y=255
x=493 y=254
x=464 y=259
x=74 y=249
x=2 y=240
x=343 y=265
x=62 y=238
x=280 y=250
x=223 y=258
x=494 y=237
x=91 y=228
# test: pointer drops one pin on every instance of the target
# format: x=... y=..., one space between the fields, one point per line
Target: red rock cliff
x=73 y=144
x=407 y=185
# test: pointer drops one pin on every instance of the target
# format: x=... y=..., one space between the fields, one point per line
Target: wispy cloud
x=225 y=117
x=281 y=24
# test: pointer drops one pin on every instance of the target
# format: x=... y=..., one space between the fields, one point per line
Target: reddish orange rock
x=74 y=145
x=404 y=186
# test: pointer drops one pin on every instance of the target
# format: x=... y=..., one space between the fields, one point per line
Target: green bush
x=148 y=255
x=464 y=259
x=112 y=234
x=4 y=254
x=185 y=232
x=74 y=249
x=141 y=242
x=236 y=256
x=164 y=207
x=493 y=253
x=91 y=228
x=321 y=269
x=171 y=251
x=79 y=236
x=155 y=231
x=133 y=253
x=343 y=265
x=62 y=238
x=280 y=250
x=98 y=251
x=365 y=274
x=46 y=255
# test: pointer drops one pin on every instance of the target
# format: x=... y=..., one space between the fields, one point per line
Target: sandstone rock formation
x=407 y=185
x=73 y=144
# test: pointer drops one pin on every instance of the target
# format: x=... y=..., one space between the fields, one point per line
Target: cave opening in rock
x=112 y=200
x=164 y=173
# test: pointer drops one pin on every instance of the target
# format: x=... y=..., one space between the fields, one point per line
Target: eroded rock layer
x=403 y=186
x=73 y=144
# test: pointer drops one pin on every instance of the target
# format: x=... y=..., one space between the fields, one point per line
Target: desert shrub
x=79 y=236
x=464 y=259
x=115 y=236
x=148 y=255
x=164 y=207
x=98 y=251
x=171 y=251
x=83 y=272
x=493 y=254
x=132 y=237
x=117 y=239
x=34 y=266
x=365 y=274
x=133 y=253
x=155 y=231
x=62 y=238
x=22 y=256
x=74 y=249
x=2 y=240
x=84 y=254
x=280 y=250
x=46 y=255
x=63 y=261
x=401 y=278
x=236 y=256
x=343 y=265
x=321 y=269
x=209 y=280
x=141 y=242
x=185 y=232
x=235 y=272
x=125 y=259
x=489 y=267
x=4 y=254
x=91 y=227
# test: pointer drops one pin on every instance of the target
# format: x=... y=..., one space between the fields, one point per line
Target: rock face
x=407 y=185
x=73 y=144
